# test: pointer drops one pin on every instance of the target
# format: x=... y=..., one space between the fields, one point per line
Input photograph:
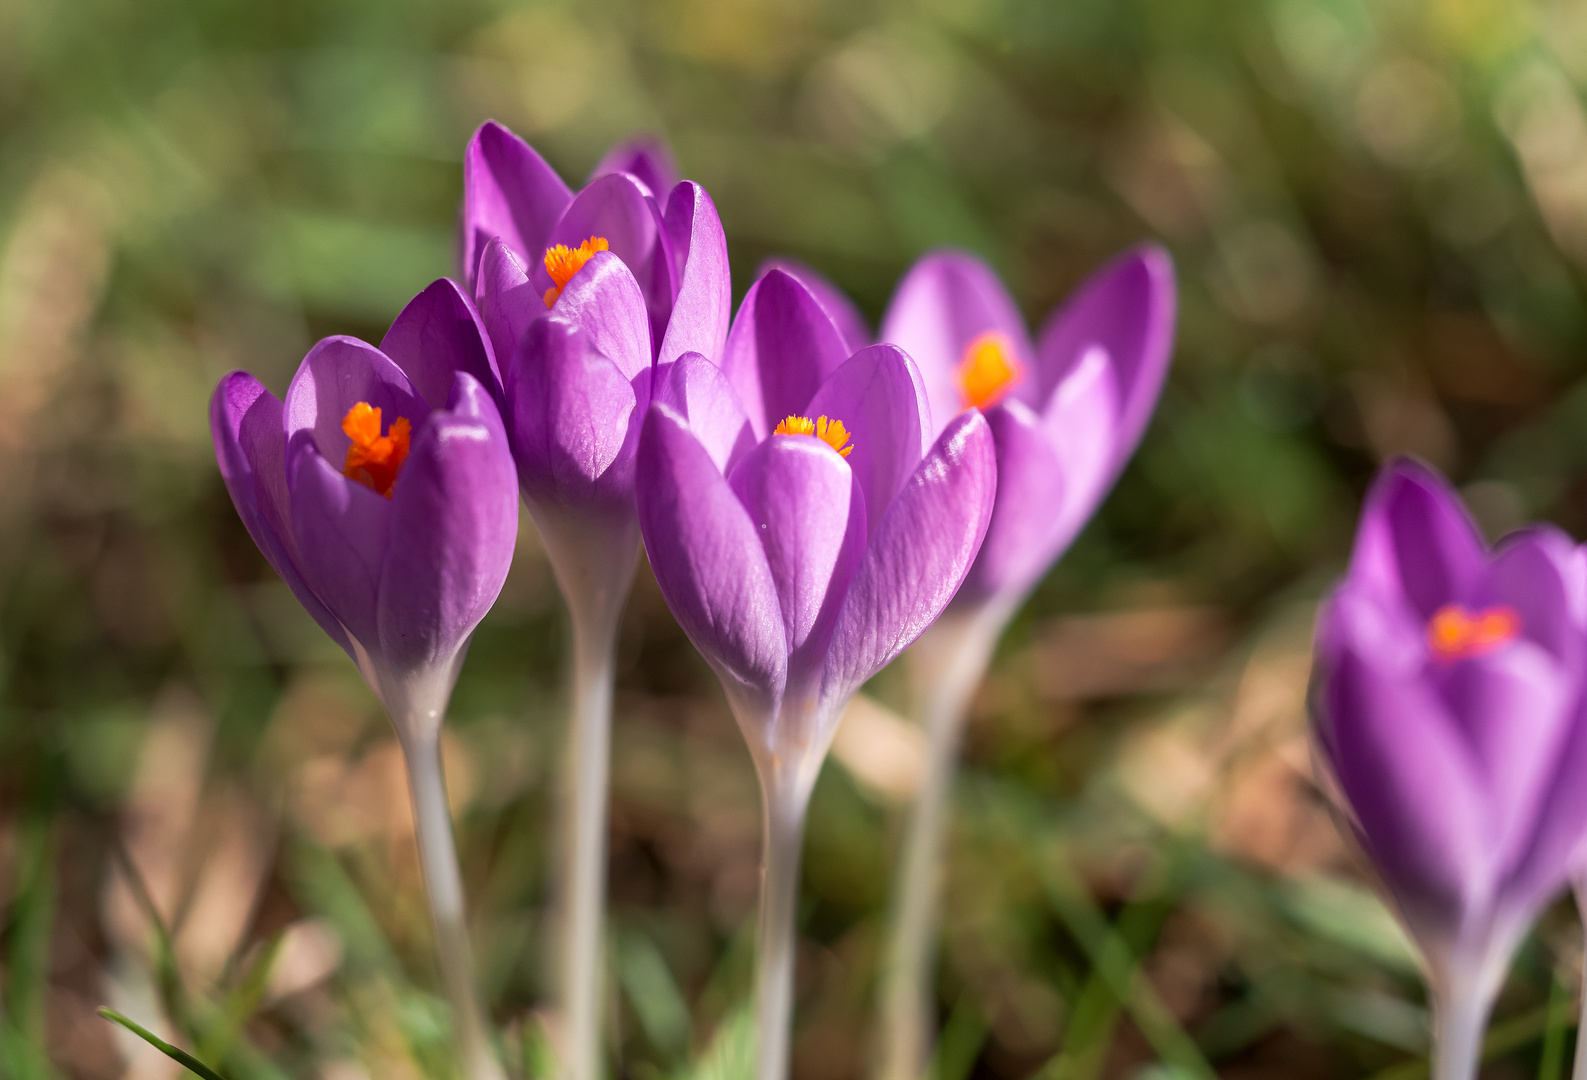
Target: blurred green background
x=1379 y=216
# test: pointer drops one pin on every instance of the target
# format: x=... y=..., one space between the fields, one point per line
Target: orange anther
x=1454 y=633
x=987 y=370
x=831 y=432
x=562 y=262
x=374 y=459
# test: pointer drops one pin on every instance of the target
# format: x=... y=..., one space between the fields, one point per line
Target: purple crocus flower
x=1066 y=414
x=581 y=295
x=1447 y=691
x=805 y=525
x=383 y=492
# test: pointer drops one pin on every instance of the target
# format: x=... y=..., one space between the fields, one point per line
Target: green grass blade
x=182 y=1057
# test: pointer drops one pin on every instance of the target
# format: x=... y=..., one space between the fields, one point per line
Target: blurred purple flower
x=383 y=492
x=1447 y=691
x=799 y=562
x=665 y=232
x=1066 y=415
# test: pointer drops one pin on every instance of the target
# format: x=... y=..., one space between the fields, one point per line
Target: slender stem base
x=1460 y=1020
x=584 y=819
x=443 y=881
x=1579 y=1069
x=783 y=821
x=949 y=664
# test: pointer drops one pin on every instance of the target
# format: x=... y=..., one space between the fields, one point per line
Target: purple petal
x=1415 y=541
x=647 y=158
x=508 y=191
x=573 y=416
x=337 y=374
x=341 y=528
x=1409 y=776
x=620 y=211
x=508 y=301
x=810 y=515
x=696 y=390
x=878 y=395
x=605 y=301
x=780 y=350
x=437 y=335
x=1022 y=537
x=845 y=316
x=1542 y=575
x=946 y=301
x=1126 y=307
x=1557 y=844
x=454 y=520
x=250 y=446
x=709 y=563
x=917 y=557
x=704 y=302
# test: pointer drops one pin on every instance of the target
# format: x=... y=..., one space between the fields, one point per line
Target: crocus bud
x=1447 y=692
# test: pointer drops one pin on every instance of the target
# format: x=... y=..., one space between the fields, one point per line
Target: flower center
x=987 y=370
x=374 y=459
x=562 y=262
x=831 y=432
x=1454 y=633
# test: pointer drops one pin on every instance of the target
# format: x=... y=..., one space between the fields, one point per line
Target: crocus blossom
x=382 y=490
x=805 y=525
x=1066 y=413
x=1447 y=692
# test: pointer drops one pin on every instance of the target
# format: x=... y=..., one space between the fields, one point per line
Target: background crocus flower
x=580 y=294
x=1446 y=691
x=382 y=490
x=1065 y=414
x=805 y=526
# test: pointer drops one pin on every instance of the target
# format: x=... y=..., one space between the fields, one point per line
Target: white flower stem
x=584 y=841
x=948 y=662
x=783 y=822
x=1579 y=1069
x=443 y=881
x=1460 y=1019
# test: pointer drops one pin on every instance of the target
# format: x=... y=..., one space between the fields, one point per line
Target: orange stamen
x=1454 y=633
x=831 y=432
x=987 y=370
x=562 y=262
x=374 y=459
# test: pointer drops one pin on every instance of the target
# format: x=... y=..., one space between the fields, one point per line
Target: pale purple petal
x=878 y=395
x=1542 y=575
x=709 y=563
x=619 y=211
x=508 y=300
x=946 y=301
x=782 y=347
x=917 y=557
x=647 y=158
x=454 y=517
x=845 y=316
x=1126 y=307
x=1031 y=482
x=704 y=301
x=508 y=191
x=809 y=513
x=574 y=427
x=605 y=301
x=696 y=390
x=337 y=374
x=437 y=335
x=1416 y=540
x=250 y=446
x=341 y=528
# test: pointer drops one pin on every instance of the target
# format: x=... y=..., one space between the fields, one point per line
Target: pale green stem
x=584 y=873
x=443 y=882
x=783 y=820
x=949 y=663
